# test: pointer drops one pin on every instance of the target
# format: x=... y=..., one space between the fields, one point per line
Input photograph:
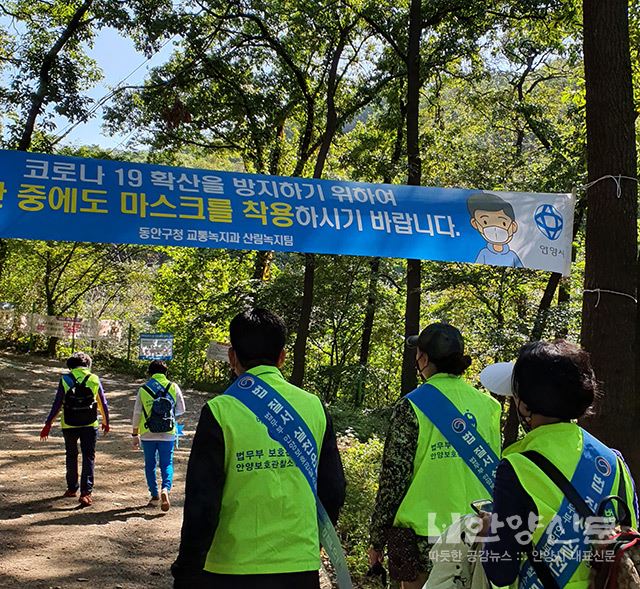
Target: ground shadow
x=88 y=516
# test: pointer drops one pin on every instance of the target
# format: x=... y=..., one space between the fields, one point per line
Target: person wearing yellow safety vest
x=250 y=517
x=78 y=399
x=552 y=384
x=157 y=429
x=424 y=483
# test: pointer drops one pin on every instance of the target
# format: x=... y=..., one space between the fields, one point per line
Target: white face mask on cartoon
x=495 y=234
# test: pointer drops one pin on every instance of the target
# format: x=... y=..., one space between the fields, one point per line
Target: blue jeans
x=87 y=436
x=155 y=452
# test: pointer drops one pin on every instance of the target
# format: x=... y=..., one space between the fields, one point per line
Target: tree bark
x=262 y=265
x=414 y=178
x=544 y=306
x=609 y=320
x=367 y=328
x=300 y=347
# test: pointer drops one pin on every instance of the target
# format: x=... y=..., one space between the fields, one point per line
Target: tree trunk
x=4 y=255
x=52 y=347
x=510 y=430
x=412 y=308
x=374 y=264
x=367 y=328
x=545 y=304
x=262 y=265
x=300 y=346
x=609 y=320
x=564 y=298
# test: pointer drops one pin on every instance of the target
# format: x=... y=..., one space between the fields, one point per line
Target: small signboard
x=156 y=346
x=218 y=351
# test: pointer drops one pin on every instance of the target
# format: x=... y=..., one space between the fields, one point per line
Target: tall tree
x=608 y=318
x=49 y=70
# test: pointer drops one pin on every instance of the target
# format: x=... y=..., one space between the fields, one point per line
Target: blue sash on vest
x=564 y=542
x=155 y=386
x=459 y=432
x=285 y=425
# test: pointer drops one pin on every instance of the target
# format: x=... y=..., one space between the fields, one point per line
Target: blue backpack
x=161 y=418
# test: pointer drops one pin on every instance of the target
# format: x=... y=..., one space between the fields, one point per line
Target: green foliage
x=46 y=65
x=361 y=462
x=361 y=424
x=195 y=295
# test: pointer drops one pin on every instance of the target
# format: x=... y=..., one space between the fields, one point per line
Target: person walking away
x=425 y=483
x=158 y=403
x=552 y=384
x=78 y=400
x=250 y=515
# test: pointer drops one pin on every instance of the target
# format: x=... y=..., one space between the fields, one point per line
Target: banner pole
x=129 y=343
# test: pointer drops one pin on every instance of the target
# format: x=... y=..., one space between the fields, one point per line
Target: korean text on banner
x=52 y=197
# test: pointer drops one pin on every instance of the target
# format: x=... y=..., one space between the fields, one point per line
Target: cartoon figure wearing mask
x=495 y=220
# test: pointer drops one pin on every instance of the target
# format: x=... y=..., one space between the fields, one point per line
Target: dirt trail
x=47 y=541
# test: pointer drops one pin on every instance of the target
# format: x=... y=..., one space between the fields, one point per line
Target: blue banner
x=52 y=197
x=285 y=425
x=565 y=541
x=459 y=431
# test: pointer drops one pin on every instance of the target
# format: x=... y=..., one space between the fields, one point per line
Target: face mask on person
x=525 y=420
x=418 y=370
x=495 y=234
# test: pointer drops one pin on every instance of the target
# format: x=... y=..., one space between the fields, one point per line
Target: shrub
x=362 y=467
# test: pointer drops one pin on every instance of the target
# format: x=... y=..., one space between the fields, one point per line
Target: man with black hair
x=495 y=220
x=158 y=443
x=250 y=516
x=79 y=396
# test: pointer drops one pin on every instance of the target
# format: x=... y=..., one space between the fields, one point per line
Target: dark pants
x=87 y=436
x=306 y=580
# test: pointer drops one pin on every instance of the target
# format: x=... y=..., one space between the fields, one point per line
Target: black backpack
x=161 y=419
x=80 y=405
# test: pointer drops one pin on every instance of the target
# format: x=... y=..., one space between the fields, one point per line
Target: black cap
x=438 y=340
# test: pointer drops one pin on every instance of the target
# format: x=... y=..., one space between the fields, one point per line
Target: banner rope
x=617 y=179
x=599 y=291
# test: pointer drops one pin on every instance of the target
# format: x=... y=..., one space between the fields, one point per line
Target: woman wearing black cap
x=424 y=483
x=556 y=470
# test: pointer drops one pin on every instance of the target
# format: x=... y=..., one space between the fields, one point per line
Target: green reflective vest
x=147 y=402
x=562 y=444
x=93 y=383
x=442 y=485
x=268 y=518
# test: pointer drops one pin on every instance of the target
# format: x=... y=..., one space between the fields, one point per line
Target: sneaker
x=164 y=497
x=153 y=502
x=70 y=493
x=85 y=500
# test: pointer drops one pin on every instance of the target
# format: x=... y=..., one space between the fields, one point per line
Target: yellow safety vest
x=268 y=518
x=442 y=485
